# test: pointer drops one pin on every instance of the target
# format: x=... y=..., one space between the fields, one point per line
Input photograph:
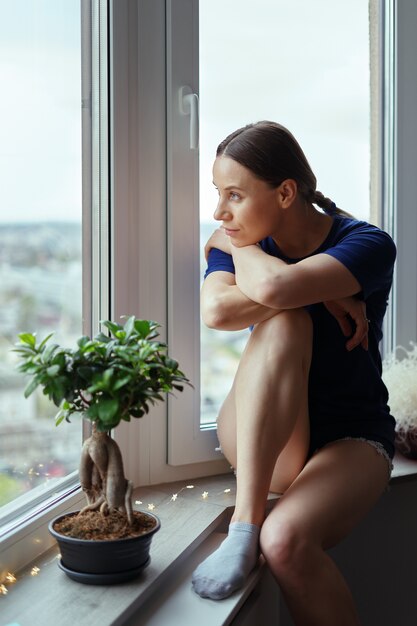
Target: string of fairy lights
x=11 y=579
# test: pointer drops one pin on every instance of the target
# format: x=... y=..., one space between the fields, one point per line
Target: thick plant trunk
x=102 y=476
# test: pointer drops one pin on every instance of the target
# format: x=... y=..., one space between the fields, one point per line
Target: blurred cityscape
x=40 y=291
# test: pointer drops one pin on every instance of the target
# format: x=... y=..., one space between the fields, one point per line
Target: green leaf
x=129 y=326
x=107 y=409
x=53 y=370
x=107 y=376
x=28 y=338
x=59 y=417
x=143 y=327
x=49 y=351
x=31 y=387
x=92 y=412
x=121 y=382
x=43 y=342
x=113 y=328
x=82 y=341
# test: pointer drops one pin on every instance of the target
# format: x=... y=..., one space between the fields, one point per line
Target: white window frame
x=143 y=257
x=398 y=181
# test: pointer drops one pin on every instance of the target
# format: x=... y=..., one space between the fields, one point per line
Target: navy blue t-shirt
x=345 y=388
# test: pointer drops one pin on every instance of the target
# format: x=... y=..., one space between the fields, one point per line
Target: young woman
x=307 y=415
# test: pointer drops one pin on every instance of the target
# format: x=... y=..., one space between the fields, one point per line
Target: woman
x=307 y=414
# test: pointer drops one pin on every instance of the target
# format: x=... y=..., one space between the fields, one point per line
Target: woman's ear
x=287 y=192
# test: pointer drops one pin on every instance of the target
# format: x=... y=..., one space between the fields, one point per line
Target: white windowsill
x=191 y=527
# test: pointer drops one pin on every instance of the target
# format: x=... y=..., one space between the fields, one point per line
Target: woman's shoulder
x=346 y=225
x=349 y=230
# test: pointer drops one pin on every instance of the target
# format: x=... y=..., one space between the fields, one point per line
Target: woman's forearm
x=227 y=308
x=257 y=271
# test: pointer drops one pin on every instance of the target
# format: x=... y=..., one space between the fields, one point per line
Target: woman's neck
x=302 y=231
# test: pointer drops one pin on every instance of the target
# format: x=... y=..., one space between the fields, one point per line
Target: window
x=398 y=153
x=40 y=231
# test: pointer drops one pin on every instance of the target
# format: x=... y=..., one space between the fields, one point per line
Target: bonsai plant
x=400 y=378
x=106 y=380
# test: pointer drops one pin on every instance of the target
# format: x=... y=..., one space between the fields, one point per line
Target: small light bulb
x=10 y=578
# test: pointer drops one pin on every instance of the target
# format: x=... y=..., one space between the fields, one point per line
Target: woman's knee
x=286 y=549
x=292 y=323
x=286 y=331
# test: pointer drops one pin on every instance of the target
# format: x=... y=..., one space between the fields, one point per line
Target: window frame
x=140 y=250
x=398 y=154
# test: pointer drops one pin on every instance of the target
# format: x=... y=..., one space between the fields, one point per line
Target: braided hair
x=273 y=154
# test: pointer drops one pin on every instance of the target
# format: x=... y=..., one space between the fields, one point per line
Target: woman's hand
x=219 y=240
x=346 y=310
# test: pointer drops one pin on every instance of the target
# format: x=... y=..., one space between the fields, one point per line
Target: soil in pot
x=93 y=525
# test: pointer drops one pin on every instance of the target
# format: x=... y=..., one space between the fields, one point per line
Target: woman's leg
x=264 y=415
x=337 y=487
x=267 y=411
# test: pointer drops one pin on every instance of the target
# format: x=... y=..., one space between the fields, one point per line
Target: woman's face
x=248 y=207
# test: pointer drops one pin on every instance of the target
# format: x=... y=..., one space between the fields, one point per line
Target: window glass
x=301 y=63
x=40 y=228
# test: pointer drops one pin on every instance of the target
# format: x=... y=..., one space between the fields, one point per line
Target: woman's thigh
x=334 y=491
x=291 y=330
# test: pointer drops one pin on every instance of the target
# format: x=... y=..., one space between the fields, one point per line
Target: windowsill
x=191 y=526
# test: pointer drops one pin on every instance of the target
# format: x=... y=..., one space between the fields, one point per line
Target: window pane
x=293 y=62
x=40 y=228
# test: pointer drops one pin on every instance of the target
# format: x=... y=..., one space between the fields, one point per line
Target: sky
x=304 y=64
x=40 y=113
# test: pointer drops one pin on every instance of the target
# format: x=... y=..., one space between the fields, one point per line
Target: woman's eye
x=234 y=196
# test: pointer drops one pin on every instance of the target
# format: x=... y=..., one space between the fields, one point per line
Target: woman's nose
x=221 y=213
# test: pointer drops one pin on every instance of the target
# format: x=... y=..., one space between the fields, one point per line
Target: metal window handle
x=189 y=106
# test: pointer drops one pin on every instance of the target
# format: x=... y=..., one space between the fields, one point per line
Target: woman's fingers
x=346 y=311
x=360 y=337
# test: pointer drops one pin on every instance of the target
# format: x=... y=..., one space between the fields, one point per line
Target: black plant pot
x=108 y=562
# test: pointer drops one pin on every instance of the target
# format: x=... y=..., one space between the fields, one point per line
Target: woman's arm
x=225 y=307
x=271 y=282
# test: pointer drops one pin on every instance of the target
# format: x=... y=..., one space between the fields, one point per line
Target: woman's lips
x=230 y=231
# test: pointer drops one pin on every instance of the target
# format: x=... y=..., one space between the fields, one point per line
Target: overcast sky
x=301 y=63
x=40 y=132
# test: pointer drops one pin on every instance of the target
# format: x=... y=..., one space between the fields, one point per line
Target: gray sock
x=227 y=568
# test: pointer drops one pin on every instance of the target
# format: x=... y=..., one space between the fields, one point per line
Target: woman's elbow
x=213 y=319
x=213 y=315
x=270 y=294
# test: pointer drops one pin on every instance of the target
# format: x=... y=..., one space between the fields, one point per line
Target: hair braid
x=328 y=206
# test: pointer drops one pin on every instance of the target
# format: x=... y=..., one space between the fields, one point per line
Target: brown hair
x=273 y=154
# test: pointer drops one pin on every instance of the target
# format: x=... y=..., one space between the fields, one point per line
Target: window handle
x=189 y=106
